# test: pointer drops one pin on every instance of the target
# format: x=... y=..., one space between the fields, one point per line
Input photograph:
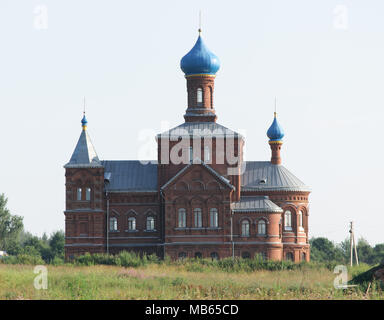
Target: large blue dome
x=275 y=131
x=200 y=60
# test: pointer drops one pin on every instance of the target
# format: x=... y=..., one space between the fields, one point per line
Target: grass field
x=159 y=281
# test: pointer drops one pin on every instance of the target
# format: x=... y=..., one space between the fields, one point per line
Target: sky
x=322 y=60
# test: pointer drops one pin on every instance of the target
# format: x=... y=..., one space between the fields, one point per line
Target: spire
x=84 y=154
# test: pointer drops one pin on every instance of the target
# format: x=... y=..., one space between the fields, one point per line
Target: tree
x=10 y=226
x=56 y=242
x=364 y=251
x=324 y=250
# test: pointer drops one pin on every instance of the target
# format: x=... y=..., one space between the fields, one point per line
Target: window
x=245 y=228
x=289 y=256
x=113 y=224
x=131 y=224
x=79 y=194
x=198 y=255
x=182 y=255
x=207 y=154
x=88 y=194
x=245 y=255
x=182 y=218
x=214 y=255
x=199 y=96
x=150 y=223
x=261 y=227
x=213 y=218
x=198 y=219
x=300 y=218
x=303 y=256
x=287 y=220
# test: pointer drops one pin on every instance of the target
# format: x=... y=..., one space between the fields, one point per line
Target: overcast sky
x=323 y=60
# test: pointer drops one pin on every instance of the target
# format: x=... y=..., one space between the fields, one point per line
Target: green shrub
x=23 y=259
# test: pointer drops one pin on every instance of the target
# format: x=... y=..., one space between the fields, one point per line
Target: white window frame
x=261 y=227
x=213 y=218
x=182 y=218
x=300 y=218
x=150 y=223
x=198 y=217
x=132 y=224
x=199 y=95
x=288 y=220
x=245 y=228
x=112 y=224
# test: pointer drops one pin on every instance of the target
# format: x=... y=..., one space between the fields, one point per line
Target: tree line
x=50 y=249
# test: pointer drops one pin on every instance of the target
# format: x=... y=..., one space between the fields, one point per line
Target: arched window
x=150 y=223
x=113 y=224
x=288 y=220
x=303 y=256
x=182 y=255
x=213 y=218
x=88 y=194
x=245 y=255
x=245 y=228
x=199 y=96
x=300 y=218
x=131 y=224
x=214 y=255
x=182 y=219
x=261 y=227
x=198 y=255
x=79 y=194
x=197 y=217
x=207 y=154
x=289 y=256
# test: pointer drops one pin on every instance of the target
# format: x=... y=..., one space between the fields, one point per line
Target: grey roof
x=131 y=175
x=84 y=154
x=265 y=176
x=255 y=204
x=199 y=162
x=198 y=129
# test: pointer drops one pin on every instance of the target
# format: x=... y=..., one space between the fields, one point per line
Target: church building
x=198 y=199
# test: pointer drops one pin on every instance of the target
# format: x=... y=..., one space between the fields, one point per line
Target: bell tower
x=275 y=134
x=200 y=66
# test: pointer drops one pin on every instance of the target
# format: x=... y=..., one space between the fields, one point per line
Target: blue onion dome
x=275 y=131
x=200 y=60
x=84 y=121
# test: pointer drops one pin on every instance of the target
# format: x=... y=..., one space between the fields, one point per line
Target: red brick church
x=198 y=199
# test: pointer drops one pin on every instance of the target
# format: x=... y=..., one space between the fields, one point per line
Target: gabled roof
x=131 y=175
x=209 y=169
x=265 y=176
x=255 y=204
x=198 y=129
x=85 y=155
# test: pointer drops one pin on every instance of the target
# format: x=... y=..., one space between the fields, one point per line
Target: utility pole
x=353 y=244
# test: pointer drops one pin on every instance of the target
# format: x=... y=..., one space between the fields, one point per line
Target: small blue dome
x=275 y=131
x=84 y=121
x=200 y=60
